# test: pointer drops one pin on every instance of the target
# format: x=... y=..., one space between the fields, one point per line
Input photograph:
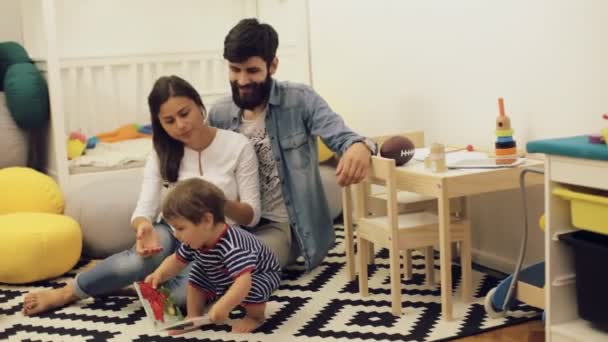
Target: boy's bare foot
x=246 y=325
x=254 y=317
x=42 y=301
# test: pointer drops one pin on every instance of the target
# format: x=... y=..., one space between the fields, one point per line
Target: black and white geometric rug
x=318 y=306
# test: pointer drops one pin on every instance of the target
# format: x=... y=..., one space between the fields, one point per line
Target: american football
x=399 y=148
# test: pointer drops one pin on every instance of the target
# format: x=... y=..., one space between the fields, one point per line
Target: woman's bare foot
x=42 y=301
x=254 y=317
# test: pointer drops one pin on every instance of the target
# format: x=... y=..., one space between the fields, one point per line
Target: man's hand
x=354 y=164
x=147 y=243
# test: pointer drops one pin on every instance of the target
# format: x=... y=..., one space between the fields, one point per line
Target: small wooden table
x=456 y=183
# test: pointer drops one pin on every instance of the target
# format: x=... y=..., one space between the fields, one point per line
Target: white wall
x=10 y=25
x=441 y=65
x=90 y=28
x=290 y=19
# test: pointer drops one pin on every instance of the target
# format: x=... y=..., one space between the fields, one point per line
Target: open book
x=161 y=309
x=485 y=163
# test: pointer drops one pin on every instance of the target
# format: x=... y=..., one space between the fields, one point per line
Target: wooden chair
x=399 y=232
x=407 y=202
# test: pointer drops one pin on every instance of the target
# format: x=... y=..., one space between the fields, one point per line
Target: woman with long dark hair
x=184 y=147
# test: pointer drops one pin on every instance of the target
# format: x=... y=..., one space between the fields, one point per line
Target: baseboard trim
x=493 y=261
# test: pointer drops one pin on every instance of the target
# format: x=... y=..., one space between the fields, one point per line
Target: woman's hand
x=147 y=243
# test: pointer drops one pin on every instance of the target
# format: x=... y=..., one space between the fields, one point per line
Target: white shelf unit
x=562 y=320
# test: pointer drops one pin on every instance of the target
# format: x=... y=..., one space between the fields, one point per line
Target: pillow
x=25 y=189
x=11 y=53
x=27 y=96
x=37 y=246
x=104 y=234
x=12 y=139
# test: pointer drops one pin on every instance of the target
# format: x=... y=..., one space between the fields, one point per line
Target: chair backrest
x=417 y=137
x=382 y=172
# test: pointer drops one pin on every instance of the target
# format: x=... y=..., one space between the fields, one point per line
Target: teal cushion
x=576 y=147
x=11 y=53
x=27 y=96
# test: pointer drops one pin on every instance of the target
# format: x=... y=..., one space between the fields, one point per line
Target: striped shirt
x=236 y=252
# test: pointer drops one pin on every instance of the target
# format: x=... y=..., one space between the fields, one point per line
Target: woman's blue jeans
x=125 y=268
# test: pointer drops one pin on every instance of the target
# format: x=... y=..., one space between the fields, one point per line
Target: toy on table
x=597 y=139
x=435 y=161
x=77 y=143
x=600 y=138
x=468 y=148
x=505 y=146
x=605 y=130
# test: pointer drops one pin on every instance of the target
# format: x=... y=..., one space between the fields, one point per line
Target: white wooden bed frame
x=103 y=93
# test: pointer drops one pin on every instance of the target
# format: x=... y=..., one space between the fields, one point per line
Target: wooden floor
x=527 y=332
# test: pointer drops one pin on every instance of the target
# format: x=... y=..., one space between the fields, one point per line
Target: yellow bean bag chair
x=324 y=152
x=37 y=246
x=25 y=189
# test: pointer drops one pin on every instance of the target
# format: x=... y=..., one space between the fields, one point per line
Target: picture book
x=159 y=306
x=162 y=310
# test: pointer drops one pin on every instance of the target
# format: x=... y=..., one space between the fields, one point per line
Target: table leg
x=445 y=254
x=465 y=256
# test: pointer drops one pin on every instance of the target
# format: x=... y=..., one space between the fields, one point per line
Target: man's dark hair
x=250 y=38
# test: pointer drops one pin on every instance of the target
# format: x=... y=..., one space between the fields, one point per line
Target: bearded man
x=283 y=120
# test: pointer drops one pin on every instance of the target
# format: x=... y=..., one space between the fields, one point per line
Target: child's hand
x=217 y=314
x=153 y=279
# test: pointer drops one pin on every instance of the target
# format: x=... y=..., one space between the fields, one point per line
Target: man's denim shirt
x=296 y=116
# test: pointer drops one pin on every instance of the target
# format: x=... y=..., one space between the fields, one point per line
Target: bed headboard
x=102 y=93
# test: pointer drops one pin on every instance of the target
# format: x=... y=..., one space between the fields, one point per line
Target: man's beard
x=256 y=96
